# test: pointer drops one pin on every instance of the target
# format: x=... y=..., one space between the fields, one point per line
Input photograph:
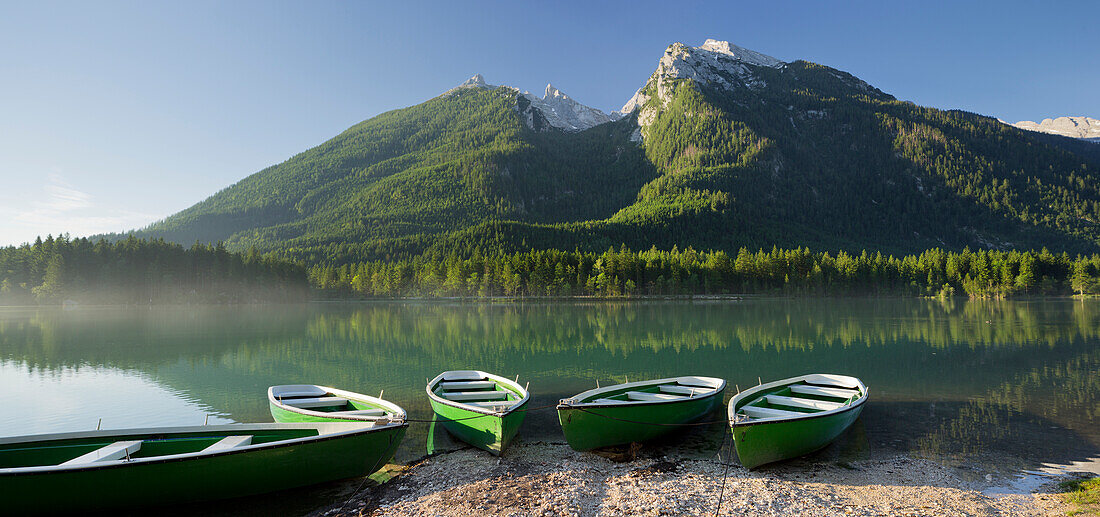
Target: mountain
x=1084 y=128
x=554 y=110
x=722 y=147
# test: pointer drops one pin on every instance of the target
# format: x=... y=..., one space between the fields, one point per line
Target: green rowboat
x=481 y=409
x=793 y=417
x=121 y=469
x=637 y=411
x=309 y=403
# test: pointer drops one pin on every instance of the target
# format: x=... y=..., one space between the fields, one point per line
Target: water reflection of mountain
x=980 y=364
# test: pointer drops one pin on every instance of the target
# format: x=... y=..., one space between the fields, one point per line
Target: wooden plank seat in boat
x=641 y=395
x=360 y=412
x=766 y=412
x=316 y=402
x=493 y=403
x=467 y=385
x=474 y=395
x=462 y=376
x=114 y=451
x=684 y=390
x=230 y=442
x=843 y=393
x=817 y=405
x=297 y=391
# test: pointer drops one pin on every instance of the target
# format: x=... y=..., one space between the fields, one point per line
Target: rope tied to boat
x=499 y=413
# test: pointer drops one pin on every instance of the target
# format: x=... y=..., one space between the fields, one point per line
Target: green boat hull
x=489 y=432
x=767 y=442
x=123 y=485
x=602 y=426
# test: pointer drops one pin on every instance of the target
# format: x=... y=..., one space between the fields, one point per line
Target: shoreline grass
x=1084 y=494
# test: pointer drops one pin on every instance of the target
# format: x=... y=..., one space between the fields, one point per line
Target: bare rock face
x=554 y=109
x=477 y=81
x=562 y=112
x=1085 y=128
x=716 y=63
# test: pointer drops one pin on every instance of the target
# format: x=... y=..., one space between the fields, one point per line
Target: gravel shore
x=552 y=479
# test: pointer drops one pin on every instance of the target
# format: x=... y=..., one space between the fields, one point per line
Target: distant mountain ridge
x=722 y=147
x=554 y=109
x=1085 y=128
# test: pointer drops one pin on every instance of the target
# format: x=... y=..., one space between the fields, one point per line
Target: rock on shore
x=551 y=479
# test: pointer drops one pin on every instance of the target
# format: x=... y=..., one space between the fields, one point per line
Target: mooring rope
x=366 y=478
x=725 y=472
x=539 y=408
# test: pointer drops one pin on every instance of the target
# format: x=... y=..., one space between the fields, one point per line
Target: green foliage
x=625 y=273
x=1084 y=494
x=61 y=270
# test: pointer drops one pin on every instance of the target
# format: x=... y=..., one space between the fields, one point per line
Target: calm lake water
x=985 y=387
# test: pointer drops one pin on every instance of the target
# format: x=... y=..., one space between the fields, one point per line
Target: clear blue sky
x=113 y=115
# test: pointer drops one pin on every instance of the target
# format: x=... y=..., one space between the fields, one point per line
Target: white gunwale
x=394 y=412
x=751 y=393
x=708 y=386
x=507 y=384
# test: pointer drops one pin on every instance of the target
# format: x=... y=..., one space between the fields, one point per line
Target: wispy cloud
x=62 y=196
x=64 y=208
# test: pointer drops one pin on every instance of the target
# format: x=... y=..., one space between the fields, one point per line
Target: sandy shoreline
x=552 y=479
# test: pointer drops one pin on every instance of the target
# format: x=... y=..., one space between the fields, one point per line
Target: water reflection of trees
x=995 y=374
x=136 y=335
x=1046 y=413
x=779 y=325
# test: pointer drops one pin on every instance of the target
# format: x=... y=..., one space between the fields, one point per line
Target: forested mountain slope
x=721 y=148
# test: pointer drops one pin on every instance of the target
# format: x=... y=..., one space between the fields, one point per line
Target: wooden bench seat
x=641 y=395
x=843 y=393
x=493 y=403
x=764 y=412
x=467 y=385
x=229 y=442
x=114 y=451
x=817 y=405
x=684 y=390
x=463 y=376
x=360 y=412
x=297 y=391
x=474 y=395
x=316 y=402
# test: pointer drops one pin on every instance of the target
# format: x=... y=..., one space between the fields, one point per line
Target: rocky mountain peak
x=1085 y=128
x=716 y=63
x=552 y=92
x=559 y=110
x=477 y=81
x=554 y=109
x=741 y=54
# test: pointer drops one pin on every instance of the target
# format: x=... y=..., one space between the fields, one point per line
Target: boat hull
x=237 y=473
x=491 y=432
x=767 y=442
x=593 y=426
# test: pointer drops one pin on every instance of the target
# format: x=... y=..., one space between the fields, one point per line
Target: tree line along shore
x=129 y=271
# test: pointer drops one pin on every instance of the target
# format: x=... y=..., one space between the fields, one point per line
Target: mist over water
x=980 y=385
